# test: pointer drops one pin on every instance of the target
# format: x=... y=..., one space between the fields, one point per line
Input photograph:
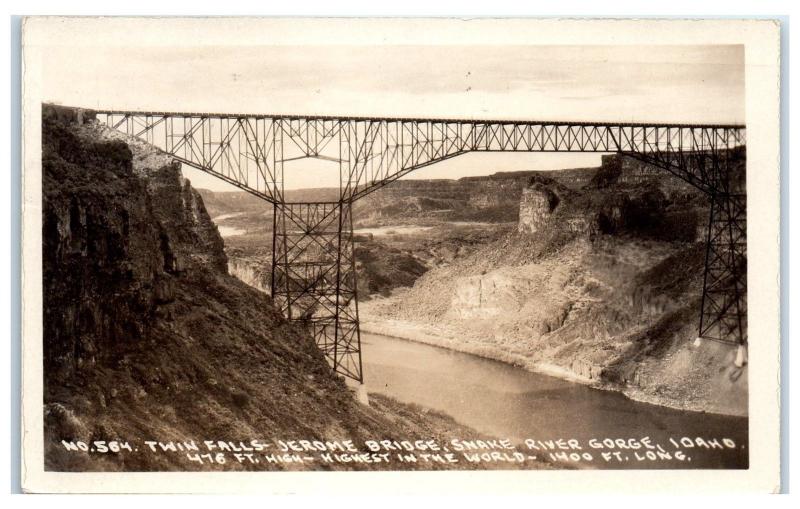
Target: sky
x=682 y=84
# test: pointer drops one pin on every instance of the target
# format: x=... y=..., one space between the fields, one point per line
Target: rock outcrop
x=250 y=272
x=608 y=207
x=536 y=205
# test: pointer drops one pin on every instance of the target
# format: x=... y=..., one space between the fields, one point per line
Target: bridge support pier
x=723 y=315
x=314 y=277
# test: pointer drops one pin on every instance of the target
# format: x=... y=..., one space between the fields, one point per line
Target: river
x=505 y=401
x=228 y=231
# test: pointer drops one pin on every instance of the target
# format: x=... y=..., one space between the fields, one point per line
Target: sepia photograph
x=481 y=253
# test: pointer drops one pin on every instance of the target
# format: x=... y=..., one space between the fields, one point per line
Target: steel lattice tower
x=314 y=277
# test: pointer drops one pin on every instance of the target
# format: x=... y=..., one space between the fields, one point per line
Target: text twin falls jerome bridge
x=313 y=265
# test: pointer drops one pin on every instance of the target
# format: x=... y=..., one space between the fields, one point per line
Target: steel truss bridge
x=313 y=264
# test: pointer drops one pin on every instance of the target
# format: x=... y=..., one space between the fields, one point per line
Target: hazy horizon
x=412 y=176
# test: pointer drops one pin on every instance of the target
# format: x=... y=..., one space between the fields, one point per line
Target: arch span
x=313 y=267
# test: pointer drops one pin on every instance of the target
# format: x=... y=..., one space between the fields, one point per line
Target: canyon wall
x=602 y=282
x=497 y=197
x=493 y=198
x=116 y=234
x=251 y=272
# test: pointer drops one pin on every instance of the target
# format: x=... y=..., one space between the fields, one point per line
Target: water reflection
x=509 y=402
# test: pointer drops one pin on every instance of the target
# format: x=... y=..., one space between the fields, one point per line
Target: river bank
x=430 y=335
x=509 y=402
x=441 y=337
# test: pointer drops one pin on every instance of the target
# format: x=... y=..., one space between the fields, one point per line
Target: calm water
x=230 y=231
x=393 y=230
x=508 y=402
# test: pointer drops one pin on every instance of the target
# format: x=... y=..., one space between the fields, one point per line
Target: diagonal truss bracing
x=314 y=277
x=313 y=266
x=250 y=151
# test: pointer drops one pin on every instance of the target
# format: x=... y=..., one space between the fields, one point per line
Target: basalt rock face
x=537 y=203
x=189 y=232
x=627 y=170
x=255 y=273
x=113 y=244
x=614 y=204
x=103 y=262
x=493 y=198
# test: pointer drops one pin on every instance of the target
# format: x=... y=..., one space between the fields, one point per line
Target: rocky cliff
x=494 y=198
x=117 y=235
x=254 y=272
x=602 y=283
x=147 y=336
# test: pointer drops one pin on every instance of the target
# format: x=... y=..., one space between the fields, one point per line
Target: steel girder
x=251 y=151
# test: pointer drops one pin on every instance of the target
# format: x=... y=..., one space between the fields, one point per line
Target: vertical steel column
x=275 y=235
x=348 y=344
x=314 y=278
x=724 y=305
x=354 y=320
